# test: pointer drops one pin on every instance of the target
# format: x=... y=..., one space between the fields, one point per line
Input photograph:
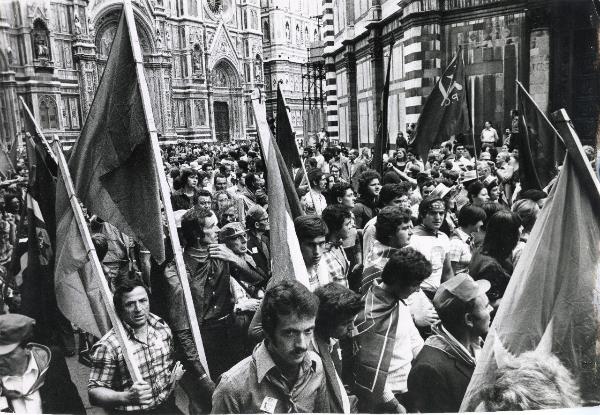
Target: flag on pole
x=114 y=174
x=445 y=112
x=284 y=205
x=540 y=146
x=552 y=301
x=285 y=137
x=382 y=143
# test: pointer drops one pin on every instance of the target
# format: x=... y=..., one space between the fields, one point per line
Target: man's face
x=192 y=181
x=210 y=230
x=12 y=363
x=434 y=218
x=239 y=244
x=136 y=307
x=480 y=316
x=374 y=187
x=348 y=198
x=402 y=236
x=312 y=249
x=488 y=125
x=494 y=193
x=344 y=329
x=209 y=168
x=220 y=183
x=323 y=183
x=204 y=201
x=335 y=172
x=262 y=225
x=291 y=339
x=427 y=190
x=352 y=156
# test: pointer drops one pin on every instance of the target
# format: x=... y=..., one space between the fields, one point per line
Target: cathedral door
x=221 y=121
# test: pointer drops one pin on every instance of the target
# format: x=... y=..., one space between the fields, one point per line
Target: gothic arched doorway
x=227 y=101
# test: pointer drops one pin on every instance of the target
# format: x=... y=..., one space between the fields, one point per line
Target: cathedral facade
x=202 y=60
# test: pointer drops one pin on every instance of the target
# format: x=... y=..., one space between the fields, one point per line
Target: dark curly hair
x=334 y=216
x=388 y=220
x=336 y=305
x=309 y=227
x=364 y=179
x=192 y=223
x=406 y=267
x=285 y=298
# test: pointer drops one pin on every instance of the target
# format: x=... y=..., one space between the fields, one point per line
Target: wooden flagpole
x=164 y=187
x=38 y=130
x=107 y=297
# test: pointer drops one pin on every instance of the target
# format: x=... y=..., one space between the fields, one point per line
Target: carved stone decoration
x=77 y=25
x=258 y=69
x=197 y=60
x=220 y=9
x=41 y=40
x=158 y=40
x=168 y=39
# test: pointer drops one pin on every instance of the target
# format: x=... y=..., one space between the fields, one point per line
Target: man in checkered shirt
x=340 y=225
x=110 y=385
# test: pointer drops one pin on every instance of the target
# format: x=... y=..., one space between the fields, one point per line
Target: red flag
x=445 y=112
x=113 y=170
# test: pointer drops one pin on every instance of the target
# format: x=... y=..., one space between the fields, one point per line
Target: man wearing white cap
x=443 y=368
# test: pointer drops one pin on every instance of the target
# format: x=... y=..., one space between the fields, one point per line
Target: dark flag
x=286 y=140
x=551 y=304
x=284 y=206
x=445 y=112
x=540 y=146
x=114 y=176
x=382 y=142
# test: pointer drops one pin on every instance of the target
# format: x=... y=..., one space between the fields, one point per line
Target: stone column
x=539 y=52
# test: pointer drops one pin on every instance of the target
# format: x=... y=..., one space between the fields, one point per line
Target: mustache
x=299 y=350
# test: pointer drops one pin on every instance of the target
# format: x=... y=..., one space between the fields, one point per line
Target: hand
x=139 y=393
x=428 y=318
x=220 y=251
x=249 y=304
x=205 y=391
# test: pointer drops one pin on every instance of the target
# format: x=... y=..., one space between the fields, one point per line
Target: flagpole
x=471 y=112
x=164 y=187
x=107 y=297
x=38 y=130
x=541 y=112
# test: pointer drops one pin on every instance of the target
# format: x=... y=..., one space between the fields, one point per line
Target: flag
x=540 y=146
x=445 y=112
x=382 y=142
x=114 y=174
x=284 y=206
x=286 y=140
x=552 y=301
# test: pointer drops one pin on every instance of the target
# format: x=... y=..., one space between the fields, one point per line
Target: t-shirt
x=434 y=248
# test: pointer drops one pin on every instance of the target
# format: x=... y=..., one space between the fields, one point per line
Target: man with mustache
x=282 y=375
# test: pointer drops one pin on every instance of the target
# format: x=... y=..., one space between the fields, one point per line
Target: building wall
x=289 y=27
x=194 y=56
x=502 y=41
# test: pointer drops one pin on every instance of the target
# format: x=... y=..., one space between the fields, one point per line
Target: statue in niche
x=41 y=40
x=41 y=46
x=168 y=38
x=77 y=25
x=106 y=40
x=91 y=29
x=197 y=59
x=258 y=69
x=9 y=55
x=220 y=78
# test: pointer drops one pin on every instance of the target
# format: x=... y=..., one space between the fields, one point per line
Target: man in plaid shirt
x=110 y=384
x=340 y=224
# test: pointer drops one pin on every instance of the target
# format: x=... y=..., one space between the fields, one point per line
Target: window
x=247 y=76
x=48 y=113
x=245 y=19
x=266 y=31
x=4 y=119
x=298 y=35
x=70 y=113
x=200 y=112
x=306 y=40
x=180 y=113
x=287 y=31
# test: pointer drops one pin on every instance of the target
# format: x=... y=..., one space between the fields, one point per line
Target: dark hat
x=459 y=288
x=14 y=328
x=231 y=230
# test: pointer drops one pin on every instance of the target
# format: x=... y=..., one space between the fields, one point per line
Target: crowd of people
x=406 y=270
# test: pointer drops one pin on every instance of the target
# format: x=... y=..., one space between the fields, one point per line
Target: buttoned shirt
x=256 y=384
x=337 y=263
x=27 y=403
x=154 y=357
x=460 y=250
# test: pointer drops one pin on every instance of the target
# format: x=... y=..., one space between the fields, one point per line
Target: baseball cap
x=231 y=230
x=461 y=288
x=257 y=213
x=14 y=328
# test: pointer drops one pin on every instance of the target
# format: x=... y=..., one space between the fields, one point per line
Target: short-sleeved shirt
x=460 y=250
x=155 y=359
x=256 y=385
x=434 y=248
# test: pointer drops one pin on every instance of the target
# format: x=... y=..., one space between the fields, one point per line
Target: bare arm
x=139 y=393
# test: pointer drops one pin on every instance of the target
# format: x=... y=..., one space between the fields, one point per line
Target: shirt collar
x=264 y=362
x=473 y=353
x=426 y=231
x=32 y=368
